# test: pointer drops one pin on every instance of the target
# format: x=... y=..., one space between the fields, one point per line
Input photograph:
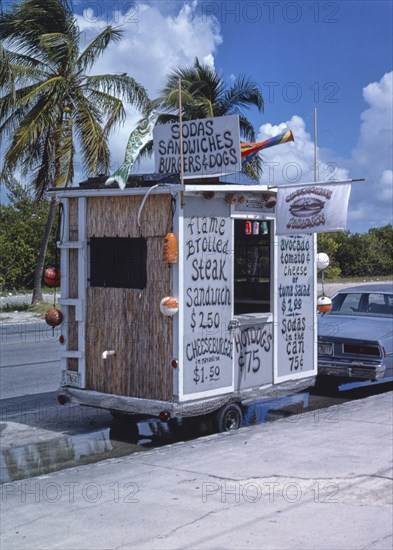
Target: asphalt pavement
x=320 y=480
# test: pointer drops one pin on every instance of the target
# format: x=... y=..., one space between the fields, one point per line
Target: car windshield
x=363 y=303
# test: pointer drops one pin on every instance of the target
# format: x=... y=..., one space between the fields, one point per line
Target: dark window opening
x=118 y=262
x=252 y=267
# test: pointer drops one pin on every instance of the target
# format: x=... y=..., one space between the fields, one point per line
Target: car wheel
x=229 y=418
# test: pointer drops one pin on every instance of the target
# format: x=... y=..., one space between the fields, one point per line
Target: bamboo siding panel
x=117 y=216
x=73 y=364
x=73 y=219
x=129 y=321
x=72 y=338
x=73 y=273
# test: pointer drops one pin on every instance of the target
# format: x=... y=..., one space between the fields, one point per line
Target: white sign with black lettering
x=295 y=313
x=253 y=352
x=208 y=258
x=211 y=147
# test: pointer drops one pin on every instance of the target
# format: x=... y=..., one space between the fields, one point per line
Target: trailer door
x=252 y=326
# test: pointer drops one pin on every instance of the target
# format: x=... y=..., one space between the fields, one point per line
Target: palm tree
x=50 y=102
x=205 y=94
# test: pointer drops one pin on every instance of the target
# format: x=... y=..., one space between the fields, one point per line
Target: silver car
x=355 y=339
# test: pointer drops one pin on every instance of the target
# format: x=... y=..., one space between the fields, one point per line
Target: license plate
x=325 y=349
x=70 y=378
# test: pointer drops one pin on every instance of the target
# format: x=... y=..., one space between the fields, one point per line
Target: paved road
x=314 y=482
x=29 y=361
x=37 y=425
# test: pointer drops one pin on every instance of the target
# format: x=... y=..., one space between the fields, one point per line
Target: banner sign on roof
x=211 y=147
x=312 y=208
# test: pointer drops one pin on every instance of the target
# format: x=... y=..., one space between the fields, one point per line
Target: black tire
x=185 y=428
x=124 y=432
x=229 y=418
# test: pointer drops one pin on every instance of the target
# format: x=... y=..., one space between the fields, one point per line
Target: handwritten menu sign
x=295 y=304
x=253 y=350
x=211 y=146
x=208 y=345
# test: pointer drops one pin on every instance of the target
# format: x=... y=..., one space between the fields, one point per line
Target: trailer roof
x=148 y=180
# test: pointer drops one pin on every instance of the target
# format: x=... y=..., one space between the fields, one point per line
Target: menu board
x=295 y=314
x=253 y=350
x=207 y=276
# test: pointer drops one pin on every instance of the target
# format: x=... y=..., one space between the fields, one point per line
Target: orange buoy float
x=324 y=304
x=52 y=276
x=53 y=317
x=169 y=306
x=171 y=254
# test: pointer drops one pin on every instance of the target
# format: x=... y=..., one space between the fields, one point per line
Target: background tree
x=329 y=243
x=50 y=102
x=204 y=94
x=359 y=255
x=22 y=222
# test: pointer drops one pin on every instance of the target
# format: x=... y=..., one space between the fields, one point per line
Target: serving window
x=252 y=269
x=118 y=262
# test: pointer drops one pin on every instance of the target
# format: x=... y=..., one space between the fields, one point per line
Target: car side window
x=379 y=304
x=348 y=303
x=377 y=299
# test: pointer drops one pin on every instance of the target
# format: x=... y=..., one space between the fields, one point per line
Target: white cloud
x=371 y=202
x=153 y=44
x=373 y=157
x=293 y=162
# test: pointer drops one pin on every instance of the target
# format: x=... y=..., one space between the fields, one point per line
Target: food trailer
x=230 y=317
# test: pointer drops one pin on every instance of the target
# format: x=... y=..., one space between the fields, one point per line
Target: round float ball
x=53 y=317
x=322 y=261
x=52 y=276
x=169 y=306
x=324 y=304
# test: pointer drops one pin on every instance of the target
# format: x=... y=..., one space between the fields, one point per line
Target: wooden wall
x=129 y=320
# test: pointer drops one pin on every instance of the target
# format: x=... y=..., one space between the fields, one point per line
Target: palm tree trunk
x=39 y=269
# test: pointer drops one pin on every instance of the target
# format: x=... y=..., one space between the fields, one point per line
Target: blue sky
x=335 y=56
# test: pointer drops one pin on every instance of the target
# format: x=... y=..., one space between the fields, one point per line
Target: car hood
x=347 y=326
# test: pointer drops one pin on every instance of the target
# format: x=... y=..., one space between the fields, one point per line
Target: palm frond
x=94 y=146
x=247 y=130
x=44 y=176
x=6 y=70
x=64 y=155
x=48 y=103
x=244 y=93
x=254 y=168
x=122 y=86
x=11 y=106
x=29 y=132
x=59 y=48
x=97 y=47
x=26 y=21
x=51 y=89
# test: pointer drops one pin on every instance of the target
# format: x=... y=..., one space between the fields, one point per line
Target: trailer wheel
x=229 y=418
x=124 y=432
x=184 y=428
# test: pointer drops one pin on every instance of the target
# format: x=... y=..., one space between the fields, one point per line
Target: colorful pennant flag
x=249 y=150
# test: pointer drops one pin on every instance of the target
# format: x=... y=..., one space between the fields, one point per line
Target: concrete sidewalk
x=321 y=480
